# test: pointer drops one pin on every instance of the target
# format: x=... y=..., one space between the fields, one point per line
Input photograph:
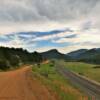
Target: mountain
x=85 y=55
x=54 y=54
x=11 y=57
x=76 y=54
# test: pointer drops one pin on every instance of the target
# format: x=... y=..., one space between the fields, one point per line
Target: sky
x=41 y=25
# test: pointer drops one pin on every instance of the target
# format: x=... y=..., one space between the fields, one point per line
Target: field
x=89 y=70
x=56 y=83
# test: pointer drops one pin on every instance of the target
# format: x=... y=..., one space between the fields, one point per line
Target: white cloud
x=35 y=14
x=82 y=16
x=53 y=36
x=66 y=49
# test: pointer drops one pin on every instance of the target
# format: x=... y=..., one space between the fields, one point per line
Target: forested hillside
x=85 y=55
x=11 y=57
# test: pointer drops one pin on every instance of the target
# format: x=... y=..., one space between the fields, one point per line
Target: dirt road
x=21 y=85
x=90 y=88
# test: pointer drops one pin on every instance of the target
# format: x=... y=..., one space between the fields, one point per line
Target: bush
x=4 y=65
x=45 y=74
x=96 y=67
x=52 y=63
x=14 y=60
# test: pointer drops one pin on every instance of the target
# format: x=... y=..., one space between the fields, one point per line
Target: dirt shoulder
x=21 y=85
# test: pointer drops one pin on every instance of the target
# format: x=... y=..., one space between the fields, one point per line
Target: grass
x=89 y=70
x=48 y=75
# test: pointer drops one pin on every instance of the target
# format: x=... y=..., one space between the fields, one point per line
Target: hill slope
x=54 y=54
x=76 y=54
x=15 y=57
x=85 y=55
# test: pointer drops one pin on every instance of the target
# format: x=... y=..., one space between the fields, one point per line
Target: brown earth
x=22 y=85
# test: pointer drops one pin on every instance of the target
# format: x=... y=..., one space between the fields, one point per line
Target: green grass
x=84 y=69
x=48 y=75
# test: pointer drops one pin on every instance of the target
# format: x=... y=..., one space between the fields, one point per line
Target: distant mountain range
x=76 y=54
x=84 y=55
x=10 y=57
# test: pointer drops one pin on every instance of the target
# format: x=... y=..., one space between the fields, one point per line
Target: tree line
x=14 y=57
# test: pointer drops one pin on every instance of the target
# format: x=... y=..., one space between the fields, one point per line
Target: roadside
x=22 y=85
x=89 y=71
x=89 y=87
x=56 y=83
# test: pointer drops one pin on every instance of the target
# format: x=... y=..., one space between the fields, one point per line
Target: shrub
x=4 y=65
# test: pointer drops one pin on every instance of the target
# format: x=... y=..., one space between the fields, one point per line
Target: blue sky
x=35 y=40
x=65 y=40
x=66 y=25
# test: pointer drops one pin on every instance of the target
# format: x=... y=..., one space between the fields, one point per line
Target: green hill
x=85 y=55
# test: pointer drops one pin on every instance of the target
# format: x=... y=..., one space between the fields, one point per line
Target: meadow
x=90 y=71
x=56 y=83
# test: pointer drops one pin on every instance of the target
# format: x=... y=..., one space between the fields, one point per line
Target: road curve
x=90 y=88
x=21 y=85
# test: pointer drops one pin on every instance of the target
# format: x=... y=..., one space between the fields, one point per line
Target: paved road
x=90 y=88
x=21 y=85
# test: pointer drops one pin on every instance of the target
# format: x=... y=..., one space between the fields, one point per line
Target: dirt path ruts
x=20 y=85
